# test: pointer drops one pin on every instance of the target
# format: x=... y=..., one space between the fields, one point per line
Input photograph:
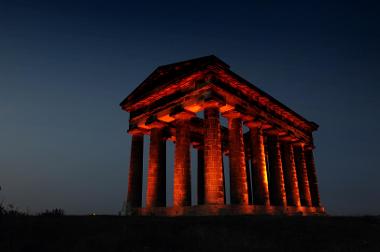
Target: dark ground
x=224 y=233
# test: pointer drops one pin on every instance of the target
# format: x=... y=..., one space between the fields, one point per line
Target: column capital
x=179 y=113
x=236 y=111
x=299 y=144
x=232 y=114
x=258 y=123
x=211 y=99
x=289 y=138
x=253 y=124
x=164 y=116
x=134 y=129
x=153 y=122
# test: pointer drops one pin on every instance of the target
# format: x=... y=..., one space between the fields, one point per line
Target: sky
x=66 y=65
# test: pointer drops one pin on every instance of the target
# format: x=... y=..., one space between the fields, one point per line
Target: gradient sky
x=66 y=65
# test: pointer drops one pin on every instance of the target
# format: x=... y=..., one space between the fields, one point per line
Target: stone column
x=201 y=177
x=312 y=175
x=290 y=175
x=134 y=198
x=276 y=178
x=156 y=191
x=214 y=193
x=258 y=166
x=238 y=174
x=303 y=181
x=182 y=175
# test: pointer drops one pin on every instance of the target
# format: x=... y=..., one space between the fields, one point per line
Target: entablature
x=216 y=85
x=198 y=99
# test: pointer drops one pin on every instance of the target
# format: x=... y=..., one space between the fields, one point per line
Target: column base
x=212 y=210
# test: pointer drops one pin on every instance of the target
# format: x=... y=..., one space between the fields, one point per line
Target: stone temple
x=271 y=166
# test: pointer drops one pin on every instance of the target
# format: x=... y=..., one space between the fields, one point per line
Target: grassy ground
x=224 y=233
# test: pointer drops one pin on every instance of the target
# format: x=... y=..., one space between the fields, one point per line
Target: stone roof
x=165 y=74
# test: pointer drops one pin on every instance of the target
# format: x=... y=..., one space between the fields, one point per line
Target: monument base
x=210 y=210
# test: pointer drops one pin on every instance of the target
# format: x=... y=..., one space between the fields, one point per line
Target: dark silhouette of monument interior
x=272 y=169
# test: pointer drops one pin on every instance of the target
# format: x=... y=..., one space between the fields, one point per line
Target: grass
x=221 y=233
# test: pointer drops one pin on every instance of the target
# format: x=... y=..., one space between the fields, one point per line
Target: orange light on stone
x=142 y=125
x=195 y=108
x=213 y=170
x=253 y=124
x=165 y=107
x=182 y=159
x=226 y=108
x=166 y=118
x=266 y=126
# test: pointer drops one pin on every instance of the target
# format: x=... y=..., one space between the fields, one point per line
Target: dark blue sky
x=66 y=65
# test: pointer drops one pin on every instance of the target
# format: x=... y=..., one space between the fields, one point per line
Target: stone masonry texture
x=303 y=181
x=276 y=179
x=290 y=175
x=238 y=175
x=259 y=168
x=156 y=191
x=214 y=193
x=182 y=182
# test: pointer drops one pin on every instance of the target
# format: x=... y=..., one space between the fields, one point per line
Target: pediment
x=172 y=84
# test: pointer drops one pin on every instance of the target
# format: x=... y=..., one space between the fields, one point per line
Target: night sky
x=66 y=65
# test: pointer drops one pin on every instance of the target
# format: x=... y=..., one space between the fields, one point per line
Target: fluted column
x=238 y=175
x=201 y=177
x=214 y=193
x=258 y=166
x=134 y=198
x=290 y=175
x=312 y=175
x=156 y=191
x=276 y=179
x=303 y=181
x=182 y=175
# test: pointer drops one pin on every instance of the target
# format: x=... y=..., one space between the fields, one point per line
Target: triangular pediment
x=170 y=73
x=168 y=83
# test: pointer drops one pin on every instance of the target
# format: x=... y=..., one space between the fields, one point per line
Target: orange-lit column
x=238 y=174
x=303 y=181
x=258 y=165
x=201 y=176
x=276 y=179
x=134 y=198
x=312 y=175
x=214 y=193
x=182 y=176
x=156 y=191
x=290 y=175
